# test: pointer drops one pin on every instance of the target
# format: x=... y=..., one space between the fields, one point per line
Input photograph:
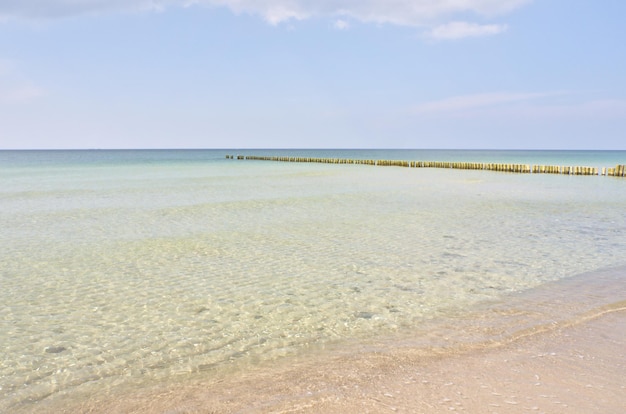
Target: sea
x=127 y=269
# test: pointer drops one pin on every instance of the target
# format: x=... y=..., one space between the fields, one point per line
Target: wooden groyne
x=617 y=171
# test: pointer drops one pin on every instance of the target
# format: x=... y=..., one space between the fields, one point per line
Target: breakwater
x=617 y=171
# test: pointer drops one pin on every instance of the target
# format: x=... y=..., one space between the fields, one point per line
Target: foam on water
x=128 y=273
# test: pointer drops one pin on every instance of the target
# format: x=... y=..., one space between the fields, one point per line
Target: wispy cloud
x=396 y=12
x=15 y=88
x=597 y=109
x=459 y=30
x=20 y=94
x=52 y=9
x=470 y=102
x=556 y=105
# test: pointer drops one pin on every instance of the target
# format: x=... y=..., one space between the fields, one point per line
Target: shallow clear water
x=127 y=267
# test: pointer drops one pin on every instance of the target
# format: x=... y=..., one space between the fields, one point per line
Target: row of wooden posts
x=617 y=171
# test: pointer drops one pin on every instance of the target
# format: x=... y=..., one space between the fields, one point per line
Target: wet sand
x=577 y=367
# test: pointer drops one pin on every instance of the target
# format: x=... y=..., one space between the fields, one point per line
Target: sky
x=484 y=74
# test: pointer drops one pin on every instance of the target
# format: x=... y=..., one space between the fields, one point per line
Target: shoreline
x=560 y=348
x=574 y=369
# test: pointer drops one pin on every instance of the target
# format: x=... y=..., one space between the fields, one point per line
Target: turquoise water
x=126 y=268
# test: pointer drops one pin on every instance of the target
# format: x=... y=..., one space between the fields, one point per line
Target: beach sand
x=578 y=367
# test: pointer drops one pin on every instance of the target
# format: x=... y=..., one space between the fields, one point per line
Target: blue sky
x=312 y=74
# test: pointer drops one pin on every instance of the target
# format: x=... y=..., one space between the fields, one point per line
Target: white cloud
x=341 y=25
x=397 y=12
x=459 y=30
x=470 y=102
